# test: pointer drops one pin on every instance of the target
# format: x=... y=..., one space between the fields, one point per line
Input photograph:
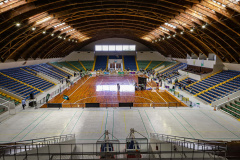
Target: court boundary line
x=150 y=121
x=161 y=97
x=77 y=121
x=77 y=89
x=27 y=126
x=181 y=123
x=36 y=126
x=219 y=124
x=112 y=96
x=189 y=123
x=68 y=123
x=143 y=122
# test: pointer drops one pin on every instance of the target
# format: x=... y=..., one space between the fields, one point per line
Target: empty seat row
x=212 y=81
x=222 y=90
x=50 y=71
x=143 y=64
x=88 y=64
x=28 y=78
x=187 y=81
x=172 y=71
x=101 y=62
x=233 y=108
x=25 y=80
x=130 y=63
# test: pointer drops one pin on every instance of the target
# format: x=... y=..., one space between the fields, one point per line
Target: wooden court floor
x=103 y=90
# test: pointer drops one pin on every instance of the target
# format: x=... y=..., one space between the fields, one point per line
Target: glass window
x=132 y=48
x=115 y=47
x=98 y=48
x=119 y=48
x=125 y=47
x=112 y=48
x=104 y=47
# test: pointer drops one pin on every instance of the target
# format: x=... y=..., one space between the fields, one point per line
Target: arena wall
x=150 y=56
x=22 y=63
x=79 y=55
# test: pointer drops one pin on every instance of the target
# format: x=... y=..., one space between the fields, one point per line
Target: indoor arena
x=149 y=79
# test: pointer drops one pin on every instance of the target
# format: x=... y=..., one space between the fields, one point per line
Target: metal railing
x=44 y=141
x=17 y=148
x=195 y=144
x=93 y=151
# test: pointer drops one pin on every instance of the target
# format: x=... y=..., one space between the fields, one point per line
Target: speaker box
x=54 y=105
x=31 y=95
x=92 y=105
x=125 y=104
x=32 y=104
x=142 y=80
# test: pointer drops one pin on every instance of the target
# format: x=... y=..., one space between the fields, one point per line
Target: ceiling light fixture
x=18 y=24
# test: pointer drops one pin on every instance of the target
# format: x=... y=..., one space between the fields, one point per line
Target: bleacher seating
x=77 y=65
x=101 y=62
x=185 y=82
x=88 y=64
x=130 y=63
x=221 y=90
x=154 y=64
x=143 y=64
x=212 y=81
x=65 y=64
x=171 y=72
x=6 y=97
x=50 y=71
x=22 y=82
x=233 y=108
x=174 y=68
x=15 y=87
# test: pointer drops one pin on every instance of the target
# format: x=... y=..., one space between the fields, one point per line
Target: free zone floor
x=88 y=124
x=103 y=89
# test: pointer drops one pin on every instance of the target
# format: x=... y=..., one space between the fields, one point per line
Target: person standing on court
x=23 y=103
x=118 y=87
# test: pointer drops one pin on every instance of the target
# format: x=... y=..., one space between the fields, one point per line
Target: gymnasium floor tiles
x=89 y=124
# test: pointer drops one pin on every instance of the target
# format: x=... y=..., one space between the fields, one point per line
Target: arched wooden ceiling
x=54 y=28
